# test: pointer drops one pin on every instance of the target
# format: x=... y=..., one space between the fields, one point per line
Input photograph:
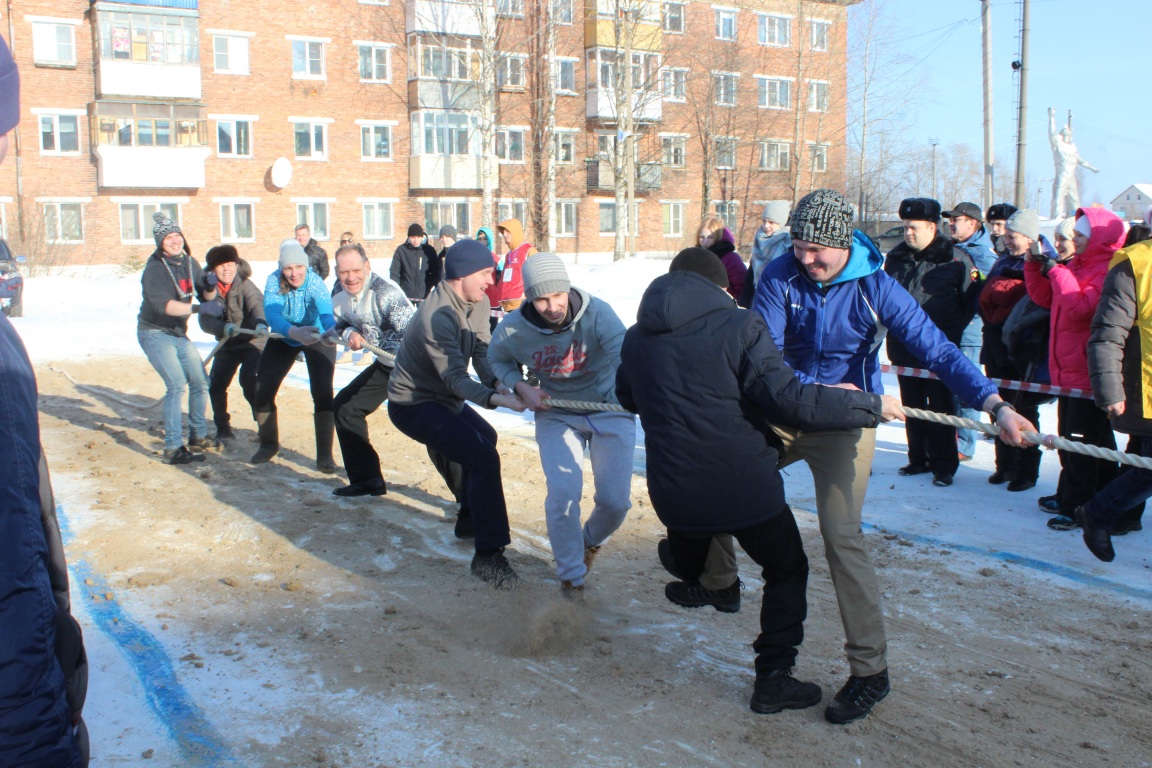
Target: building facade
x=243 y=119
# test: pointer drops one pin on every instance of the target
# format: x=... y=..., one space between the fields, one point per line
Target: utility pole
x=1021 y=196
x=934 y=141
x=989 y=159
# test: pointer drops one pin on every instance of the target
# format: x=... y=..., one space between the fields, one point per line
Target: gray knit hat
x=544 y=274
x=291 y=252
x=164 y=227
x=1065 y=227
x=823 y=217
x=1025 y=222
x=777 y=211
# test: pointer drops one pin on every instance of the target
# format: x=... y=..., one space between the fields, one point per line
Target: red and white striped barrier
x=1023 y=386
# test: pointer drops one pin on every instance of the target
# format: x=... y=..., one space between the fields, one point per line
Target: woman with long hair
x=717 y=238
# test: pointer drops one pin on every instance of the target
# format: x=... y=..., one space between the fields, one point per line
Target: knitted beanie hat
x=702 y=262
x=823 y=217
x=545 y=274
x=291 y=252
x=465 y=258
x=1025 y=222
x=164 y=227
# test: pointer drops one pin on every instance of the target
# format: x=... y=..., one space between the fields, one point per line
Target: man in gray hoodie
x=571 y=341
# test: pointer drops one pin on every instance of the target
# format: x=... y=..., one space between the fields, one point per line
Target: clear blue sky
x=1084 y=56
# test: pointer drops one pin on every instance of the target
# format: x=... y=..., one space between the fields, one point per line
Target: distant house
x=1133 y=202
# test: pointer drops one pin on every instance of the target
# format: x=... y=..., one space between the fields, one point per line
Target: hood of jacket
x=490 y=235
x=675 y=299
x=1107 y=236
x=515 y=232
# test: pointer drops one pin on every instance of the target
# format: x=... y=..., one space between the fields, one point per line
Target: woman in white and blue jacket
x=298 y=308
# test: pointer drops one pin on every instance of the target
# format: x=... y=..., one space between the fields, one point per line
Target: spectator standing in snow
x=771 y=240
x=712 y=235
x=317 y=256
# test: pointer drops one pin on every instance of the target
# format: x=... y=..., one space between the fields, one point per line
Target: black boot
x=776 y=690
x=1096 y=537
x=325 y=431
x=269 y=432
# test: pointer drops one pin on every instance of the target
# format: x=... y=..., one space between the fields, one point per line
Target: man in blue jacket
x=828 y=309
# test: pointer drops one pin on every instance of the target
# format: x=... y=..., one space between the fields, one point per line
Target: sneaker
x=856 y=699
x=1063 y=523
x=776 y=690
x=181 y=455
x=691 y=594
x=366 y=358
x=345 y=356
x=464 y=529
x=1021 y=484
x=373 y=487
x=205 y=444
x=1000 y=476
x=942 y=481
x=590 y=557
x=908 y=470
x=1048 y=504
x=664 y=551
x=1096 y=537
x=495 y=569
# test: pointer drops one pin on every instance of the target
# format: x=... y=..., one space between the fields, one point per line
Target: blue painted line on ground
x=1043 y=566
x=197 y=741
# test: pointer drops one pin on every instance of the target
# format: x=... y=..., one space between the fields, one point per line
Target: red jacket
x=1072 y=292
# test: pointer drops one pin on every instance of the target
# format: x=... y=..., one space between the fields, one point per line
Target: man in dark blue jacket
x=828 y=309
x=706 y=379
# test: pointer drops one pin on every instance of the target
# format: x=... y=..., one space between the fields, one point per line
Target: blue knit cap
x=465 y=258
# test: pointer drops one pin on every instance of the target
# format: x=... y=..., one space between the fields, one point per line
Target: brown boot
x=269 y=433
x=325 y=430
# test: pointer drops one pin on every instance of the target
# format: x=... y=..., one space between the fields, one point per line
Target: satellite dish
x=281 y=172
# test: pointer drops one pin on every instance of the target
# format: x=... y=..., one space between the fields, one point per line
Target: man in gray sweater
x=430 y=385
x=571 y=341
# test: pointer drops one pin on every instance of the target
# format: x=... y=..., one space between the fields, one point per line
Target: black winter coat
x=317 y=258
x=411 y=269
x=243 y=307
x=945 y=283
x=706 y=380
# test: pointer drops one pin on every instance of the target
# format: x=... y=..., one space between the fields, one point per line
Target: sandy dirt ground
x=306 y=630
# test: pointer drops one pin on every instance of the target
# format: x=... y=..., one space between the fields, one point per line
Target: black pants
x=1016 y=462
x=1081 y=477
x=468 y=440
x=352 y=406
x=228 y=359
x=775 y=546
x=278 y=359
x=930 y=443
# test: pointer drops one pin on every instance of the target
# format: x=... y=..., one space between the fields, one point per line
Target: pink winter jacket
x=1072 y=291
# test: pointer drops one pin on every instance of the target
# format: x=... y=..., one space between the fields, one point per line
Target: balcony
x=448 y=172
x=141 y=79
x=151 y=167
x=443 y=94
x=439 y=17
x=643 y=26
x=649 y=176
x=647 y=106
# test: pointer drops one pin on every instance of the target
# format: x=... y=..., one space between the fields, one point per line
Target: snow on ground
x=90 y=312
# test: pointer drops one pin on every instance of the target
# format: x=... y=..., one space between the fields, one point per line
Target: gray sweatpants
x=562 y=437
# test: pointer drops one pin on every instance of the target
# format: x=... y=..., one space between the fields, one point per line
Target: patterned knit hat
x=164 y=227
x=823 y=217
x=545 y=274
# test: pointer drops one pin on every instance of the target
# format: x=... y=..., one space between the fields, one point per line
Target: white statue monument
x=1065 y=191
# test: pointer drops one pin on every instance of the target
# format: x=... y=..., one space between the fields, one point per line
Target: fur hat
x=702 y=262
x=823 y=217
x=221 y=254
x=544 y=274
x=919 y=209
x=1025 y=222
x=465 y=258
x=164 y=227
x=1000 y=212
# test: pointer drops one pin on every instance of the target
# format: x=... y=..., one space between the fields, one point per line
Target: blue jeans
x=1129 y=489
x=178 y=362
x=966 y=438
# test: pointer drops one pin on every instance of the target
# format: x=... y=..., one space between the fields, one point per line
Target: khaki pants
x=841 y=462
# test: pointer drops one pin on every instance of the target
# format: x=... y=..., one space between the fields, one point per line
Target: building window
x=64 y=222
x=375 y=142
x=775 y=155
x=311 y=141
x=645 y=71
x=674 y=17
x=566 y=218
x=444 y=133
x=673 y=151
x=607 y=218
x=307 y=60
x=675 y=85
x=774 y=93
x=819 y=35
x=236 y=223
x=510 y=71
x=315 y=215
x=725 y=153
x=124 y=124
x=510 y=8
x=817 y=97
x=724 y=88
x=512 y=209
x=728 y=211
x=437 y=214
x=54 y=43
x=375 y=63
x=562 y=11
x=439 y=62
x=136 y=220
x=230 y=54
x=150 y=37
x=819 y=157
x=510 y=145
x=566 y=76
x=566 y=147
x=673 y=215
x=59 y=135
x=233 y=138
x=725 y=24
x=378 y=221
x=774 y=30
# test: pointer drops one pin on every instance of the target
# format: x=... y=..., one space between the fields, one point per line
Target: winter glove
x=330 y=338
x=1047 y=265
x=304 y=335
x=262 y=331
x=210 y=281
x=212 y=309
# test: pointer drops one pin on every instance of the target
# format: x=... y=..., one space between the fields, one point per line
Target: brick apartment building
x=374 y=107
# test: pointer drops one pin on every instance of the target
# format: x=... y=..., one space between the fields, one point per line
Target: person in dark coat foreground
x=706 y=380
